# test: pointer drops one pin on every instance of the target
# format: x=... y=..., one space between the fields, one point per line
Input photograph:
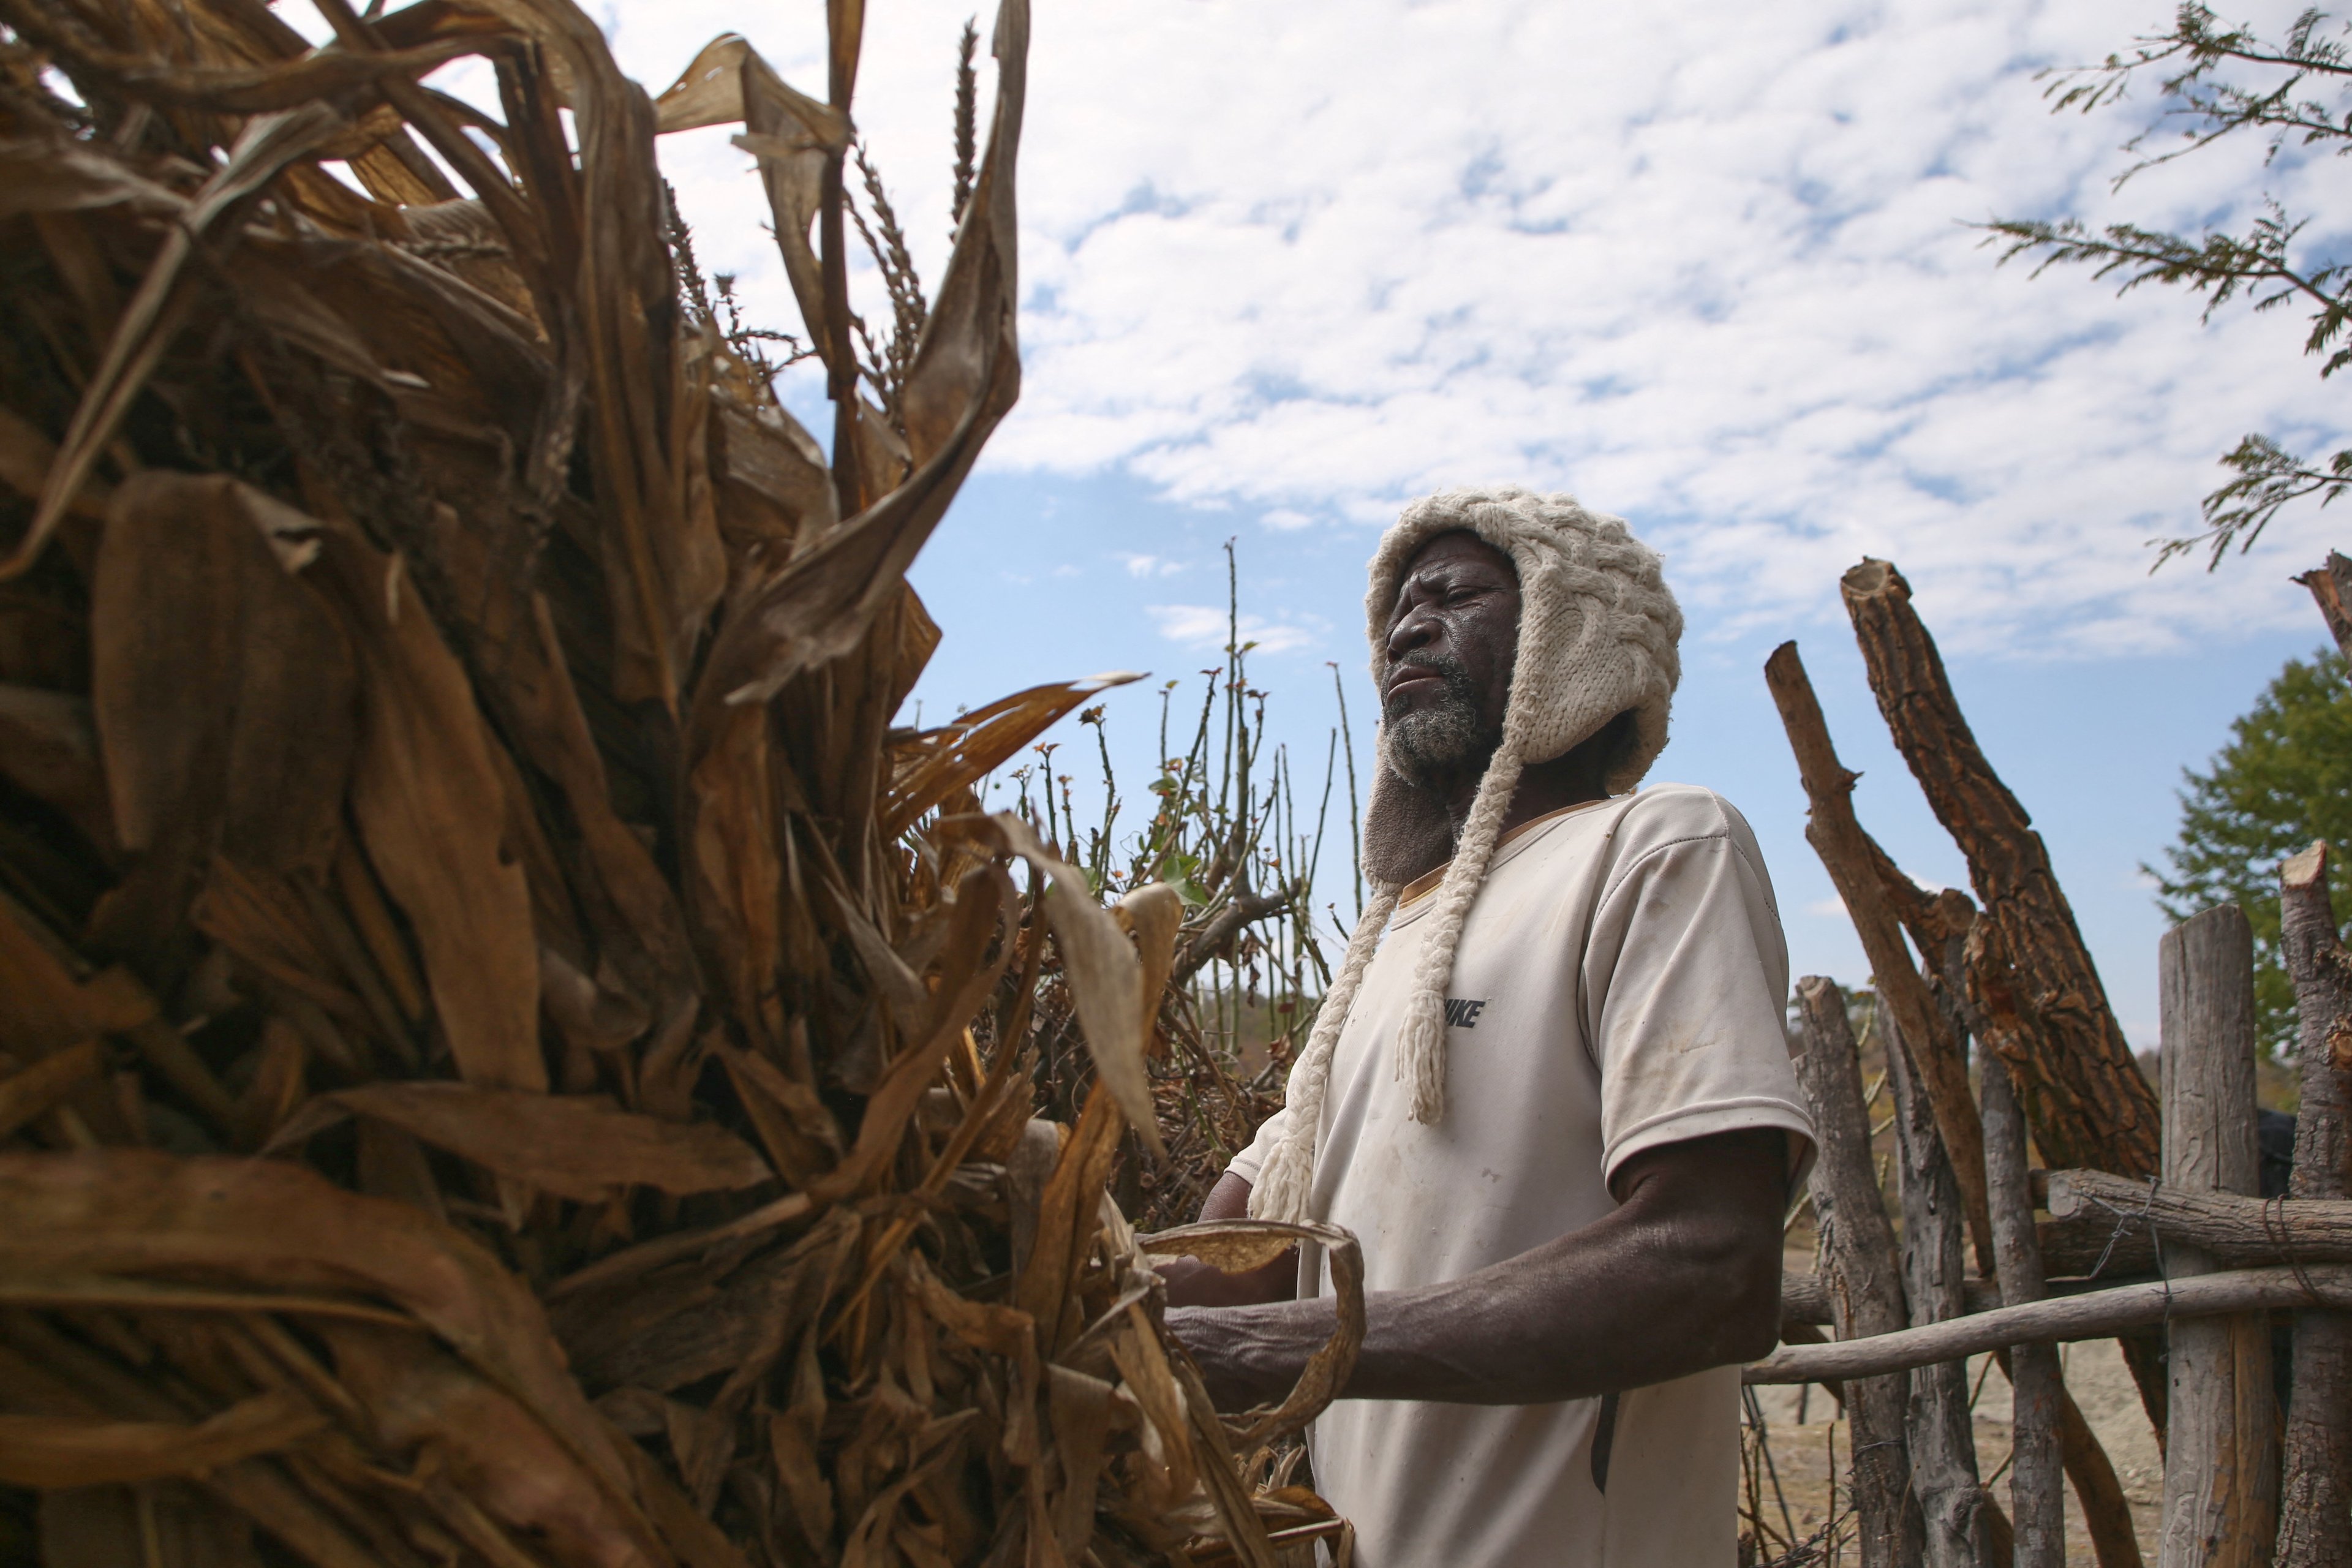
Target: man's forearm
x=1656 y=1290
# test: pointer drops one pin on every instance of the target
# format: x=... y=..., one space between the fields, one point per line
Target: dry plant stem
x=2036 y=1503
x=1864 y=1271
x=2095 y=1314
x=2315 y=1491
x=840 y=359
x=1954 y=1510
x=2221 y=1471
x=2084 y=1097
x=1851 y=860
x=2331 y=589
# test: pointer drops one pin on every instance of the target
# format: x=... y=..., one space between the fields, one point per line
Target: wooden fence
x=2158 y=1236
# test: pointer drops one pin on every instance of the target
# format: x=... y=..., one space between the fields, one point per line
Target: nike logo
x=1461 y=1013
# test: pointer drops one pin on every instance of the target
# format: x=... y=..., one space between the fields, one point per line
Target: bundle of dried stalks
x=508 y=1059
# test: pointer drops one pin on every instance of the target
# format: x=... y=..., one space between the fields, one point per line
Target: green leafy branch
x=2256 y=265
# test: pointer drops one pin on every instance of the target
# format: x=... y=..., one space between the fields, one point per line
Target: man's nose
x=1414 y=629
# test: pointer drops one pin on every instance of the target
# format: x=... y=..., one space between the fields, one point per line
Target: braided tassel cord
x=1421 y=1040
x=1286 y=1180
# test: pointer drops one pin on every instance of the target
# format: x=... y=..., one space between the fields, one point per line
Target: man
x=1554 y=1102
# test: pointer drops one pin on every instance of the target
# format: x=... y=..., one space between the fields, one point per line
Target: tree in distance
x=2284 y=779
x=2216 y=82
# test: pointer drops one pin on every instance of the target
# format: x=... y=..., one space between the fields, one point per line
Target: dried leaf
x=83 y=1451
x=224 y=691
x=1105 y=974
x=821 y=603
x=268 y=1224
x=492 y=1448
x=421 y=777
x=268 y=142
x=1238 y=1245
x=32 y=1091
x=48 y=749
x=577 y=1148
x=928 y=767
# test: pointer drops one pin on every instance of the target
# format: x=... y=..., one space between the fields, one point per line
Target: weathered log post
x=2041 y=1003
x=2220 y=1469
x=1941 y=924
x=1943 y=1445
x=2331 y=588
x=2037 y=1507
x=1861 y=1267
x=2084 y=1096
x=1851 y=860
x=2316 y=1494
x=1936 y=923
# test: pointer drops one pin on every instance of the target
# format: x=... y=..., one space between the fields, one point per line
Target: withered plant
x=509 y=1058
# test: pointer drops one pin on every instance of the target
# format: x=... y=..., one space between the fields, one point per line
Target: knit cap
x=1597 y=634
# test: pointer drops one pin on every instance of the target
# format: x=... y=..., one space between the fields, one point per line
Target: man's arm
x=1684 y=1275
x=1192 y=1283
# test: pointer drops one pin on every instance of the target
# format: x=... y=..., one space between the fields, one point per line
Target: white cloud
x=1283 y=520
x=1150 y=565
x=1703 y=263
x=1831 y=908
x=1207 y=627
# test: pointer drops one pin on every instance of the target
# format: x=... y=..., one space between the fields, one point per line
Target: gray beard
x=1437 y=745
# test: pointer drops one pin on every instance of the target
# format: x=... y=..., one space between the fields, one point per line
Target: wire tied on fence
x=2124 y=1217
x=2275 y=1231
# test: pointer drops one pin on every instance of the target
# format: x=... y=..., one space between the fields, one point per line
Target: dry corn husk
x=505 y=1056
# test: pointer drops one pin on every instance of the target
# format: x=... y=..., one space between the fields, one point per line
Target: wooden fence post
x=2037 y=1505
x=2221 y=1472
x=1943 y=1443
x=2316 y=1494
x=1859 y=1265
x=2044 y=1008
x=1852 y=859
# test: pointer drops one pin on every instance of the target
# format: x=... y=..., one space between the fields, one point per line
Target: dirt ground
x=2095 y=1374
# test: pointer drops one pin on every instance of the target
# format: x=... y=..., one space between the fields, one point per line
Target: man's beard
x=1439 y=743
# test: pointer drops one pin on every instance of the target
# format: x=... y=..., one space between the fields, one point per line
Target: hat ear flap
x=1406 y=830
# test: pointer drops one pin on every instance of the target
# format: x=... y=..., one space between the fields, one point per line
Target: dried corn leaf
x=1238 y=1245
x=501 y=1455
x=421 y=778
x=268 y=142
x=531 y=727
x=48 y=749
x=968 y=368
x=265 y=1223
x=576 y=1147
x=928 y=767
x=36 y=1089
x=82 y=1450
x=1105 y=973
x=226 y=692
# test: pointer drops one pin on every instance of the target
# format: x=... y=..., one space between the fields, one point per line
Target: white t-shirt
x=1618 y=986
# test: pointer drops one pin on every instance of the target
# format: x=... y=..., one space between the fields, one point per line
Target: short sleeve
x=1685 y=986
x=1252 y=1160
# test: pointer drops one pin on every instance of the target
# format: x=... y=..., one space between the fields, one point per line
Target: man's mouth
x=1405 y=676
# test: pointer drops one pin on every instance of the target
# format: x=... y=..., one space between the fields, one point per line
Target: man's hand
x=1192 y=1283
x=1684 y=1275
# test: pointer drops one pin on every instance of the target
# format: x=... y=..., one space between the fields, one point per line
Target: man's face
x=1451 y=637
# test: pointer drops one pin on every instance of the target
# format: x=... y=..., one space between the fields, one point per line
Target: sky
x=1706 y=265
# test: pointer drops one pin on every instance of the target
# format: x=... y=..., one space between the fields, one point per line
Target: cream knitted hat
x=1597 y=634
